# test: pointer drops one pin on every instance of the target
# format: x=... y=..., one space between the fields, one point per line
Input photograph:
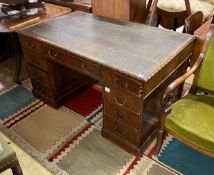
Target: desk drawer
x=70 y=60
x=121 y=82
x=121 y=130
x=123 y=100
x=129 y=118
x=31 y=44
x=38 y=75
x=91 y=69
x=36 y=60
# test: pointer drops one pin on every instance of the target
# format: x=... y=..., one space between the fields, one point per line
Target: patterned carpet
x=68 y=140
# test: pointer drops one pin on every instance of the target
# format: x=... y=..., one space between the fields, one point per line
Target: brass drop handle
x=52 y=55
x=31 y=45
x=120 y=102
x=121 y=84
x=83 y=65
x=118 y=116
x=87 y=67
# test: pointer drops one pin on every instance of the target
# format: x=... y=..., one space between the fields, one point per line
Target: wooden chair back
x=193 y=22
x=204 y=77
x=168 y=19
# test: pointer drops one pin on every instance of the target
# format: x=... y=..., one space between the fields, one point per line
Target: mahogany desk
x=9 y=26
x=133 y=62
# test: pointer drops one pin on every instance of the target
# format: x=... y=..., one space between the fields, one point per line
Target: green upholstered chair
x=8 y=159
x=191 y=118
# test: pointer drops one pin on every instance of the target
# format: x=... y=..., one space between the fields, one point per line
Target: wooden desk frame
x=131 y=105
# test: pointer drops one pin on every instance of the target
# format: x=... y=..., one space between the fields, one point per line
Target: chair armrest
x=169 y=95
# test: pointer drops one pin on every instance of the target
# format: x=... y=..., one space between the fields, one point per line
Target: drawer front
x=123 y=100
x=31 y=44
x=129 y=118
x=121 y=82
x=84 y=66
x=38 y=75
x=41 y=89
x=121 y=130
x=36 y=60
x=91 y=69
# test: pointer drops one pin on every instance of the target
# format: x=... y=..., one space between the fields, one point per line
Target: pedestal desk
x=133 y=62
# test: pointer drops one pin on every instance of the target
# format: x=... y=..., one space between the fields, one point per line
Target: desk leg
x=18 y=56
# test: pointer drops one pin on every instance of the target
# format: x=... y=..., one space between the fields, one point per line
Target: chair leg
x=175 y=24
x=159 y=20
x=160 y=137
x=16 y=169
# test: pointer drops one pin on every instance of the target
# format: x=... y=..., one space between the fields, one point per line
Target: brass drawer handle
x=121 y=84
x=87 y=68
x=31 y=45
x=120 y=102
x=118 y=116
x=52 y=55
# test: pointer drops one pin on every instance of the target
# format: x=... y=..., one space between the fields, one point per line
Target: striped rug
x=68 y=140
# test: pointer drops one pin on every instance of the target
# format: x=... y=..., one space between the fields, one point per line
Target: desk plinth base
x=138 y=151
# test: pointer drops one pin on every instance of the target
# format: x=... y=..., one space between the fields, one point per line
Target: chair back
x=206 y=74
x=193 y=22
x=169 y=19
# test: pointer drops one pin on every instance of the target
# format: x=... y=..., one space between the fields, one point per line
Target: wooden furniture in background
x=167 y=18
x=190 y=119
x=122 y=10
x=21 y=6
x=201 y=34
x=133 y=62
x=9 y=25
x=75 y=5
x=193 y=22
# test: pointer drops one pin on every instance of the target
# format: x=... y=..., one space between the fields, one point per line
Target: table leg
x=18 y=56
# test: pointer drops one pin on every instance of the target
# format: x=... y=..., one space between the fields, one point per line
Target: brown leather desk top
x=133 y=49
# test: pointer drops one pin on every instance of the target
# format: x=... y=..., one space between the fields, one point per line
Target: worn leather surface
x=132 y=48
